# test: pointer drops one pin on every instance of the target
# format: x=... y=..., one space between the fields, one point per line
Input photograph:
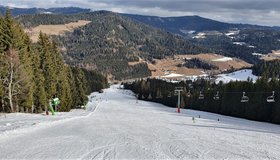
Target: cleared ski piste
x=120 y=128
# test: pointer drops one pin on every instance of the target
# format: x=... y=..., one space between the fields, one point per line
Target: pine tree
x=40 y=95
x=80 y=86
x=47 y=65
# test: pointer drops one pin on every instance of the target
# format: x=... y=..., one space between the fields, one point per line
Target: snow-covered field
x=241 y=75
x=224 y=59
x=123 y=128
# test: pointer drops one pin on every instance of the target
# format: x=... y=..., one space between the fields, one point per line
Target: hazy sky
x=264 y=12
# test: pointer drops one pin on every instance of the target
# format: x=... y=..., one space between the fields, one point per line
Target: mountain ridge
x=28 y=11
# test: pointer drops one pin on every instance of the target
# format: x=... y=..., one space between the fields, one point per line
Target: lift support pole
x=178 y=91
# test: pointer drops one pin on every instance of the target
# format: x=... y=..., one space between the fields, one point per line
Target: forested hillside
x=267 y=68
x=32 y=73
x=261 y=104
x=243 y=44
x=182 y=25
x=222 y=38
x=110 y=41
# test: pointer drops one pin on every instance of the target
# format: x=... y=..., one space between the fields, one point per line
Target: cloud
x=238 y=11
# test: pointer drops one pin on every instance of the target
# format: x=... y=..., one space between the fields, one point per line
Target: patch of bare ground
x=225 y=64
x=275 y=55
x=170 y=65
x=54 y=29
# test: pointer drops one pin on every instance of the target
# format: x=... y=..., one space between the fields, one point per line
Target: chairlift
x=244 y=99
x=201 y=96
x=216 y=97
x=270 y=99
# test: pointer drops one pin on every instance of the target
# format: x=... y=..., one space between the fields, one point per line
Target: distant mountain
x=234 y=40
x=111 y=41
x=28 y=11
x=188 y=24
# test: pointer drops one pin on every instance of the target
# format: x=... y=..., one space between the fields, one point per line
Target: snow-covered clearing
x=241 y=75
x=123 y=128
x=224 y=59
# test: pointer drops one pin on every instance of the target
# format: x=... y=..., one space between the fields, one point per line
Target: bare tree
x=14 y=78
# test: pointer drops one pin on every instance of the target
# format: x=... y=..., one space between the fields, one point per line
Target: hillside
x=243 y=41
x=234 y=40
x=110 y=41
x=54 y=29
x=186 y=25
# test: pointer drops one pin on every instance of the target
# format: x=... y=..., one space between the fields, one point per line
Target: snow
x=239 y=43
x=224 y=59
x=123 y=128
x=241 y=75
x=47 y=13
x=11 y=123
x=200 y=35
x=173 y=75
x=257 y=54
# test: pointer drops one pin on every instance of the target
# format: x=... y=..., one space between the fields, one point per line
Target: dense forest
x=110 y=41
x=257 y=103
x=270 y=68
x=261 y=39
x=255 y=41
x=31 y=74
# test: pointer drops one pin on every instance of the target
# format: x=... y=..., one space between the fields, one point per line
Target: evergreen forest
x=258 y=101
x=30 y=74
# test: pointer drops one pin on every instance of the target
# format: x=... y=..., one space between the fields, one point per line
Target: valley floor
x=120 y=127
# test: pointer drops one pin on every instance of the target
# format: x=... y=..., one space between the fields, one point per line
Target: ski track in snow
x=120 y=128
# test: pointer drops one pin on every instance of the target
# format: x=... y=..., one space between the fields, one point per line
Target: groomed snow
x=241 y=75
x=123 y=128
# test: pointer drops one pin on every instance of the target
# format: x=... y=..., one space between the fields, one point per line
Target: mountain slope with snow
x=241 y=75
x=122 y=127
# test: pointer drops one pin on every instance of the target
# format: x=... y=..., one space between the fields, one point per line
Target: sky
x=262 y=12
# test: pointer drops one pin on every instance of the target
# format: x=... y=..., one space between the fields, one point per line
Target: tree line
x=31 y=74
x=200 y=95
x=270 y=68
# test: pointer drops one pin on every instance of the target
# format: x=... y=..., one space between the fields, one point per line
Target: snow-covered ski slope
x=121 y=128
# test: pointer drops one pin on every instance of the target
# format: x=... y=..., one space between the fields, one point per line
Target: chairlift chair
x=244 y=99
x=270 y=99
x=201 y=96
x=216 y=97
